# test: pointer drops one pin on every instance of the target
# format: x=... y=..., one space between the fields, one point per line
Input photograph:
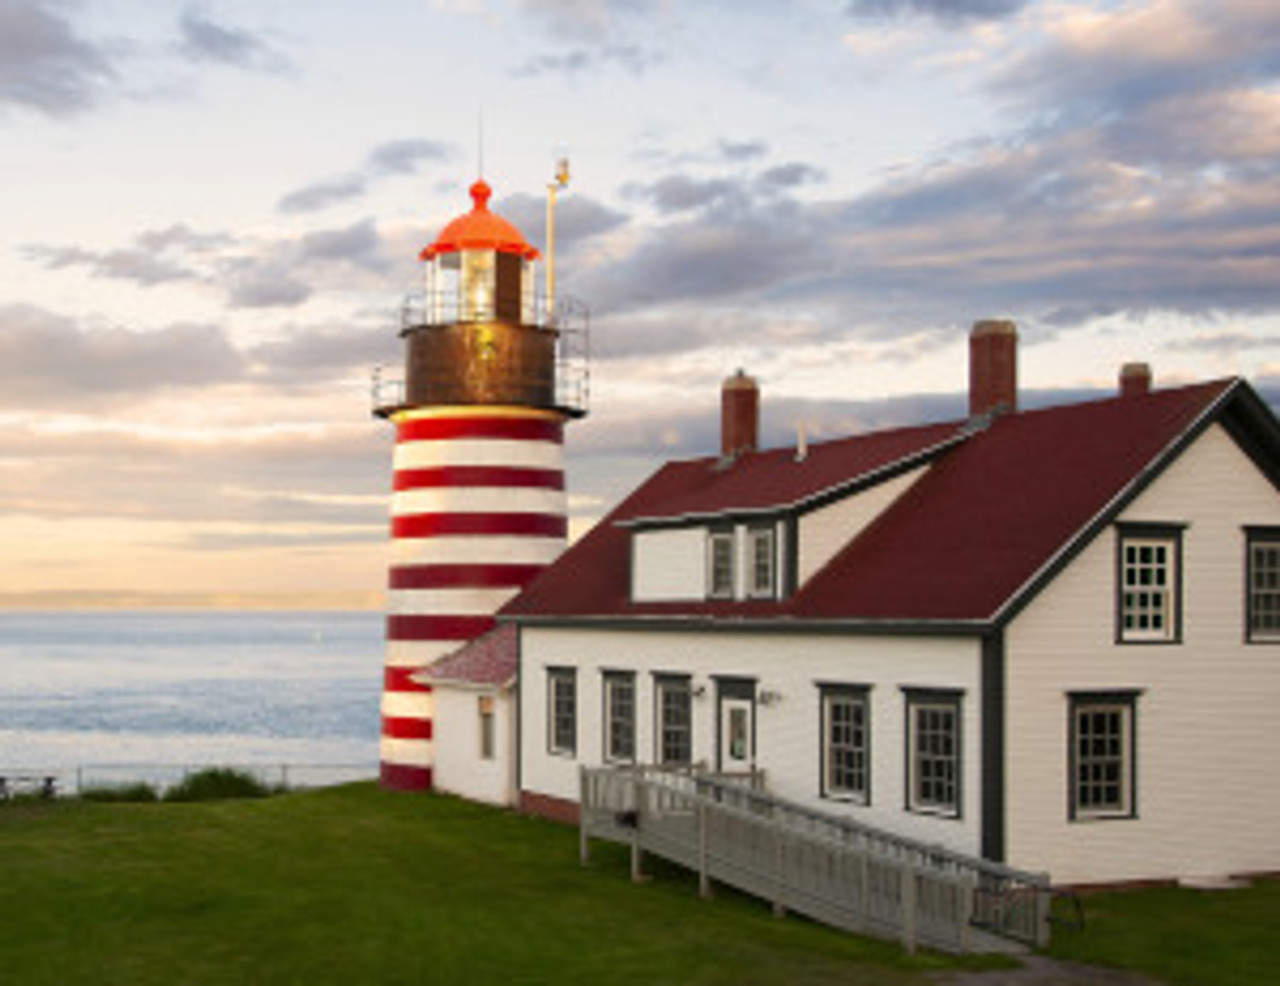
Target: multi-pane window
x=619 y=716
x=485 y=705
x=933 y=752
x=846 y=738
x=760 y=571
x=562 y=706
x=1264 y=585
x=674 y=708
x=1149 y=585
x=720 y=565
x=1102 y=755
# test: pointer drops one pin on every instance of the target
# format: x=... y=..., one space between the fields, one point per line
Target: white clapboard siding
x=787 y=730
x=1208 y=754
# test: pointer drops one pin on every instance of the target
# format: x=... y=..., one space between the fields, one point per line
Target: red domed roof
x=480 y=229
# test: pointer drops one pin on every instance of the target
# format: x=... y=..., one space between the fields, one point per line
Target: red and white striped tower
x=479 y=505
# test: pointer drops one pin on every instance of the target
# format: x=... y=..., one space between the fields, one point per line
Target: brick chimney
x=1135 y=379
x=993 y=367
x=739 y=415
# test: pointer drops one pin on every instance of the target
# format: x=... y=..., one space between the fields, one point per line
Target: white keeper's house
x=1044 y=637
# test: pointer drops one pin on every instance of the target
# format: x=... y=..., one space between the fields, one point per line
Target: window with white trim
x=619 y=716
x=1102 y=755
x=720 y=565
x=1149 y=585
x=761 y=562
x=673 y=706
x=846 y=743
x=933 y=752
x=1263 y=581
x=562 y=710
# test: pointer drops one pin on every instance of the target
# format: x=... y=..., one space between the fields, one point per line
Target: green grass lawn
x=1182 y=937
x=357 y=885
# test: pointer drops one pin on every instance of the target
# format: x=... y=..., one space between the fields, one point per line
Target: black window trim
x=914 y=696
x=1255 y=534
x=862 y=693
x=1143 y=530
x=607 y=677
x=661 y=681
x=1075 y=700
x=555 y=672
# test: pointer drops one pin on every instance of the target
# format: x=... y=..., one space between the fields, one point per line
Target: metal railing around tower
x=570 y=321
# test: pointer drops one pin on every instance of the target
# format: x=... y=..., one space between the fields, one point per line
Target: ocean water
x=103 y=697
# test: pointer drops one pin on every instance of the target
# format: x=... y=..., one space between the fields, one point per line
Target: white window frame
x=925 y=760
x=562 y=689
x=1104 y=766
x=721 y=571
x=762 y=560
x=856 y=745
x=1149 y=585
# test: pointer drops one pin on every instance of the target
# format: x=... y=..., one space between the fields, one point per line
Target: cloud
x=631 y=58
x=579 y=217
x=262 y=273
x=322 y=194
x=390 y=159
x=589 y=20
x=49 y=360
x=155 y=257
x=206 y=40
x=947 y=11
x=323 y=483
x=676 y=193
x=45 y=65
x=320 y=352
x=742 y=150
x=255 y=283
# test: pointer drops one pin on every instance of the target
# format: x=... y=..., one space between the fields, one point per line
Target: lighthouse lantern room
x=492 y=373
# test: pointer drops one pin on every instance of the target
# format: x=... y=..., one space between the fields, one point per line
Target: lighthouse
x=493 y=370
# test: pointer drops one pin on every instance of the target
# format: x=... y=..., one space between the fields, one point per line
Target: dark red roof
x=967 y=540
x=487 y=660
x=765 y=481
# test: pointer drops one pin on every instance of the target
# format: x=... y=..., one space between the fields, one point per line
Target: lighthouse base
x=403 y=777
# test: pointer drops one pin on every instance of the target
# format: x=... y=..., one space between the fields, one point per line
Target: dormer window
x=720 y=565
x=761 y=563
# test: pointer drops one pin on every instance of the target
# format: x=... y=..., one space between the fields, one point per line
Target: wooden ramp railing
x=832 y=869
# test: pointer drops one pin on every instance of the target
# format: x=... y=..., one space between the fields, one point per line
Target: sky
x=211 y=213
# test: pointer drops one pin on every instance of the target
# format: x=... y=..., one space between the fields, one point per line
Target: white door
x=737 y=736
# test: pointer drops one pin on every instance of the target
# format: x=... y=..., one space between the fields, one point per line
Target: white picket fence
x=831 y=869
